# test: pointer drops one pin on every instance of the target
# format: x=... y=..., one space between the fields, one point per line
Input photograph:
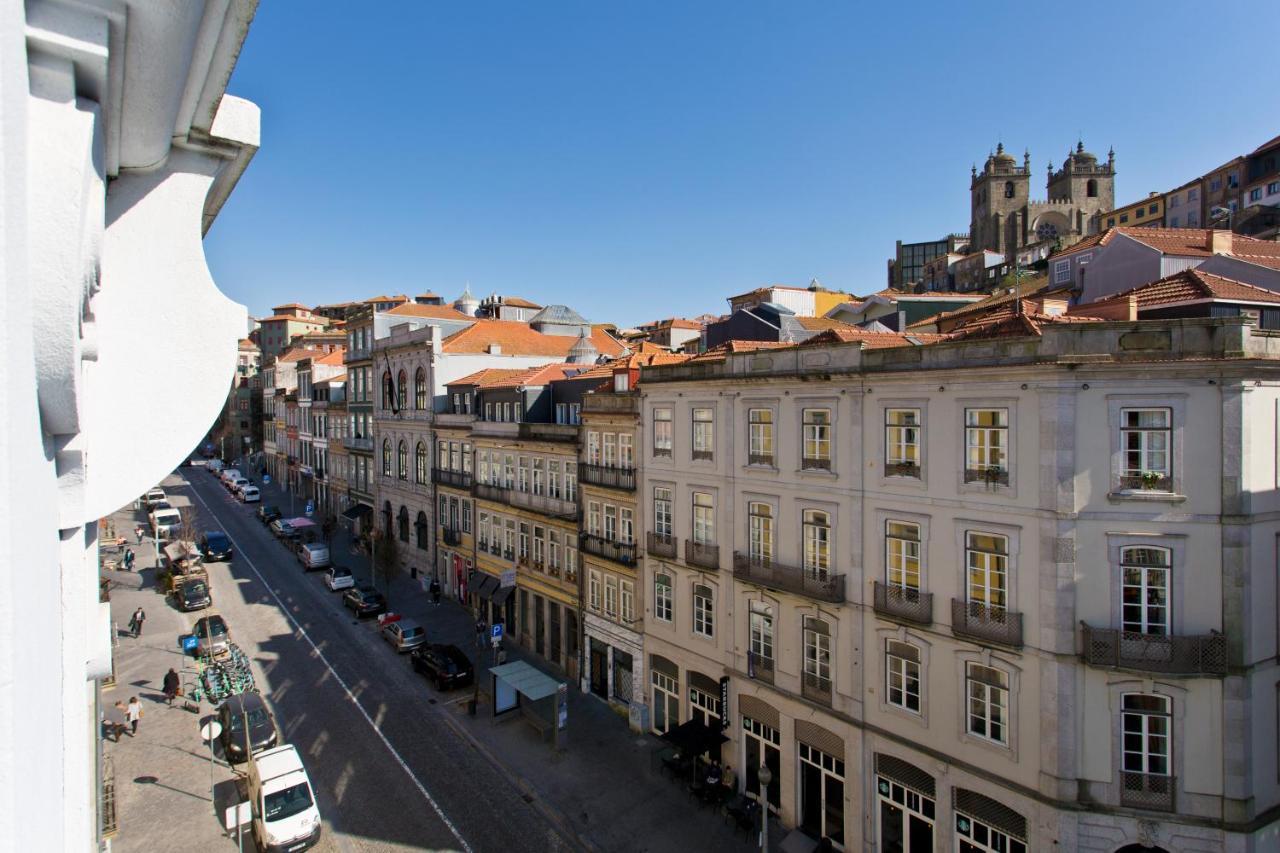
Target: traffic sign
x=266 y=479
x=496 y=631
x=311 y=508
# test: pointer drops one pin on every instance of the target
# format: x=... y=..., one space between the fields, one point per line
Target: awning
x=300 y=521
x=501 y=594
x=695 y=738
x=357 y=511
x=527 y=681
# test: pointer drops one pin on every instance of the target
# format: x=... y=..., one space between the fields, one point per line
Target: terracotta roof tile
x=294 y=318
x=520 y=339
x=437 y=312
x=284 y=309
x=514 y=377
x=1185 y=242
x=1025 y=288
x=400 y=298
x=518 y=302
x=1194 y=286
x=872 y=340
x=718 y=352
x=297 y=354
x=335 y=357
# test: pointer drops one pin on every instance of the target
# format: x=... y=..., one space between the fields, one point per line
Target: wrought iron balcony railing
x=603 y=475
x=1147 y=791
x=452 y=536
x=624 y=553
x=701 y=554
x=898 y=602
x=816 y=688
x=985 y=623
x=662 y=545
x=1180 y=655
x=818 y=585
x=456 y=479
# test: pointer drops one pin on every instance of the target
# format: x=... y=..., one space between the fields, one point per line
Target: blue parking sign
x=311 y=507
x=496 y=631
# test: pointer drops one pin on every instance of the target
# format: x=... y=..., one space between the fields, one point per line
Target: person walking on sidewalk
x=133 y=713
x=128 y=559
x=135 y=623
x=170 y=686
x=435 y=591
x=115 y=718
x=138 y=531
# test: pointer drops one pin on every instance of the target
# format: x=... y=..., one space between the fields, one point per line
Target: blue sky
x=642 y=160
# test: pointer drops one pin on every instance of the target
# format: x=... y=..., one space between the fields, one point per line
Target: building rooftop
x=513 y=338
x=561 y=315
x=1194 y=286
x=1184 y=242
x=293 y=318
x=287 y=309
x=436 y=312
x=508 y=377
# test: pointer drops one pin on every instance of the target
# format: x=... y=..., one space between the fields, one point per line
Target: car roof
x=248 y=701
x=339 y=570
x=451 y=651
x=210 y=533
x=215 y=618
x=407 y=625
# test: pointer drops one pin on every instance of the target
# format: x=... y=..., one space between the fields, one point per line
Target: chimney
x=495 y=349
x=1219 y=241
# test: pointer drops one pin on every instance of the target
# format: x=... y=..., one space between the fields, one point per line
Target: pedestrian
x=133 y=713
x=170 y=686
x=116 y=717
x=135 y=624
x=435 y=591
x=138 y=531
x=128 y=559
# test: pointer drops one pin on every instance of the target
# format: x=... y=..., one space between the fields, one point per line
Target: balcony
x=703 y=456
x=456 y=479
x=986 y=624
x=701 y=554
x=1147 y=791
x=613 y=478
x=992 y=476
x=484 y=491
x=544 y=504
x=610 y=550
x=897 y=602
x=760 y=668
x=548 y=432
x=1153 y=483
x=1188 y=655
x=821 y=586
x=319 y=474
x=808 y=464
x=611 y=402
x=353 y=443
x=815 y=688
x=452 y=536
x=765 y=459
x=662 y=545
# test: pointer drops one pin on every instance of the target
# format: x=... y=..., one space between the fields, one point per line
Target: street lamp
x=766 y=777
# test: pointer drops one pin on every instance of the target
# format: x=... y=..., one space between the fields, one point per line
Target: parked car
x=212 y=636
x=446 y=665
x=215 y=545
x=247 y=726
x=364 y=601
x=250 y=495
x=282 y=529
x=339 y=577
x=237 y=485
x=268 y=513
x=166 y=522
x=404 y=635
x=215 y=466
x=193 y=594
x=152 y=497
x=228 y=475
x=313 y=555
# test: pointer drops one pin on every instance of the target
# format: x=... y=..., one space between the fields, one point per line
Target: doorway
x=599 y=669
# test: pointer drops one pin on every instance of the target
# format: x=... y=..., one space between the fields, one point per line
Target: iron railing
x=703 y=456
x=901 y=469
x=816 y=688
x=984 y=623
x=819 y=585
x=452 y=536
x=107 y=804
x=662 y=544
x=992 y=476
x=701 y=554
x=484 y=491
x=544 y=504
x=814 y=464
x=760 y=459
x=603 y=475
x=761 y=668
x=1147 y=791
x=619 y=552
x=1186 y=655
x=1159 y=483
x=352 y=443
x=898 y=602
x=456 y=479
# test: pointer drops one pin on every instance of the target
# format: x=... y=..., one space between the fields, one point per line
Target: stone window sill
x=820 y=473
x=1148 y=495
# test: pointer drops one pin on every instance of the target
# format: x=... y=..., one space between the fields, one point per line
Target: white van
x=166 y=522
x=237 y=484
x=314 y=555
x=229 y=476
x=282 y=803
x=215 y=466
x=250 y=495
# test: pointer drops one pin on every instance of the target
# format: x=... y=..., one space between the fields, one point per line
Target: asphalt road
x=388 y=772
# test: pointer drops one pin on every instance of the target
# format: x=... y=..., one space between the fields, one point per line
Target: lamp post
x=765 y=776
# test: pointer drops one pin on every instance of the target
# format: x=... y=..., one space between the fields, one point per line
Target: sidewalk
x=602 y=789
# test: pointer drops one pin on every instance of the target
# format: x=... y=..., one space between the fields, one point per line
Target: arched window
x=402 y=391
x=402 y=460
x=386 y=457
x=420 y=390
x=1008 y=189
x=387 y=390
x=817 y=544
x=386 y=518
x=423 y=531
x=404 y=524
x=1091 y=188
x=420 y=463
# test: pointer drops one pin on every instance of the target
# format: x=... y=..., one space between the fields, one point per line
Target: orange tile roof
x=334 y=357
x=872 y=340
x=514 y=377
x=400 y=298
x=819 y=324
x=294 y=318
x=1195 y=286
x=437 y=312
x=341 y=377
x=516 y=338
x=247 y=344
x=1004 y=321
x=674 y=323
x=1025 y=288
x=718 y=352
x=1185 y=242
x=284 y=309
x=760 y=290
x=297 y=354
x=1264 y=146
x=517 y=302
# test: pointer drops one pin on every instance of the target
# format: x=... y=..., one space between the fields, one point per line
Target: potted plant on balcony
x=1152 y=480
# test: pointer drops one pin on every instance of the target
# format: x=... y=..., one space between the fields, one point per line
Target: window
x=1124 y=217
x=387 y=390
x=1144 y=439
x=402 y=460
x=760 y=525
x=1145 y=725
x=1273 y=188
x=1144 y=590
x=628 y=612
x=611 y=596
x=817 y=439
x=986 y=436
x=621 y=382
x=704 y=707
x=902 y=442
x=817 y=654
x=626 y=526
x=987 y=558
x=402 y=391
x=902 y=555
x=626 y=451
x=1062 y=269
x=1139 y=213
x=988 y=692
x=420 y=390
x=761 y=632
x=704 y=521
x=662 y=512
x=1091 y=188
x=902 y=675
x=593 y=448
x=760 y=437
x=666 y=701
x=593 y=590
x=817 y=544
x=1193 y=194
x=703 y=434
x=1008 y=189
x=661 y=432
x=976 y=836
x=423 y=531
x=386 y=457
x=571 y=481
x=662 y=597
x=611 y=522
x=539 y=476
x=404 y=524
x=703 y=611
x=421 y=472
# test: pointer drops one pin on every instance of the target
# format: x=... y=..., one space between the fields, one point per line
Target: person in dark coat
x=170 y=685
x=435 y=590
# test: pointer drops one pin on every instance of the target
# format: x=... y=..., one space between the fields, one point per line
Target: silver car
x=404 y=635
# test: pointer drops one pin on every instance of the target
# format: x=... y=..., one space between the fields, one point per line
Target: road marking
x=338 y=678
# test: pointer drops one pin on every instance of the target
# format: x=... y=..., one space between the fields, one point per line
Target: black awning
x=694 y=738
x=357 y=511
x=502 y=593
x=482 y=584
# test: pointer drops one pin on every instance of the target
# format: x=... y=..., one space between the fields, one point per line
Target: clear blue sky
x=641 y=160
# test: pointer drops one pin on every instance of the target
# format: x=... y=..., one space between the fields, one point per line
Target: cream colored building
x=1014 y=594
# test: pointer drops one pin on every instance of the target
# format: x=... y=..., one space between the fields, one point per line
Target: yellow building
x=455 y=508
x=1149 y=212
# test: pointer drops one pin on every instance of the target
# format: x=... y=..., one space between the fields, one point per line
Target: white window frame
x=817 y=432
x=1146 y=734
x=902 y=549
x=663 y=606
x=704 y=608
x=761 y=532
x=987 y=714
x=903 y=671
x=1147 y=579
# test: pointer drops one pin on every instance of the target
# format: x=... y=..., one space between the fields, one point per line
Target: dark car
x=364 y=601
x=447 y=666
x=241 y=713
x=268 y=513
x=193 y=594
x=215 y=545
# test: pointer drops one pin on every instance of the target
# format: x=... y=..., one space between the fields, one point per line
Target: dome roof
x=583 y=350
x=560 y=315
x=1003 y=156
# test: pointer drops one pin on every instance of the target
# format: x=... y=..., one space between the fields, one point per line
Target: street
x=388 y=769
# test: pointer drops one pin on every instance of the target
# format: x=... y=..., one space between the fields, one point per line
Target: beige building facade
x=999 y=595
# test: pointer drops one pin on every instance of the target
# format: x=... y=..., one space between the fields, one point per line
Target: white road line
x=354 y=701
